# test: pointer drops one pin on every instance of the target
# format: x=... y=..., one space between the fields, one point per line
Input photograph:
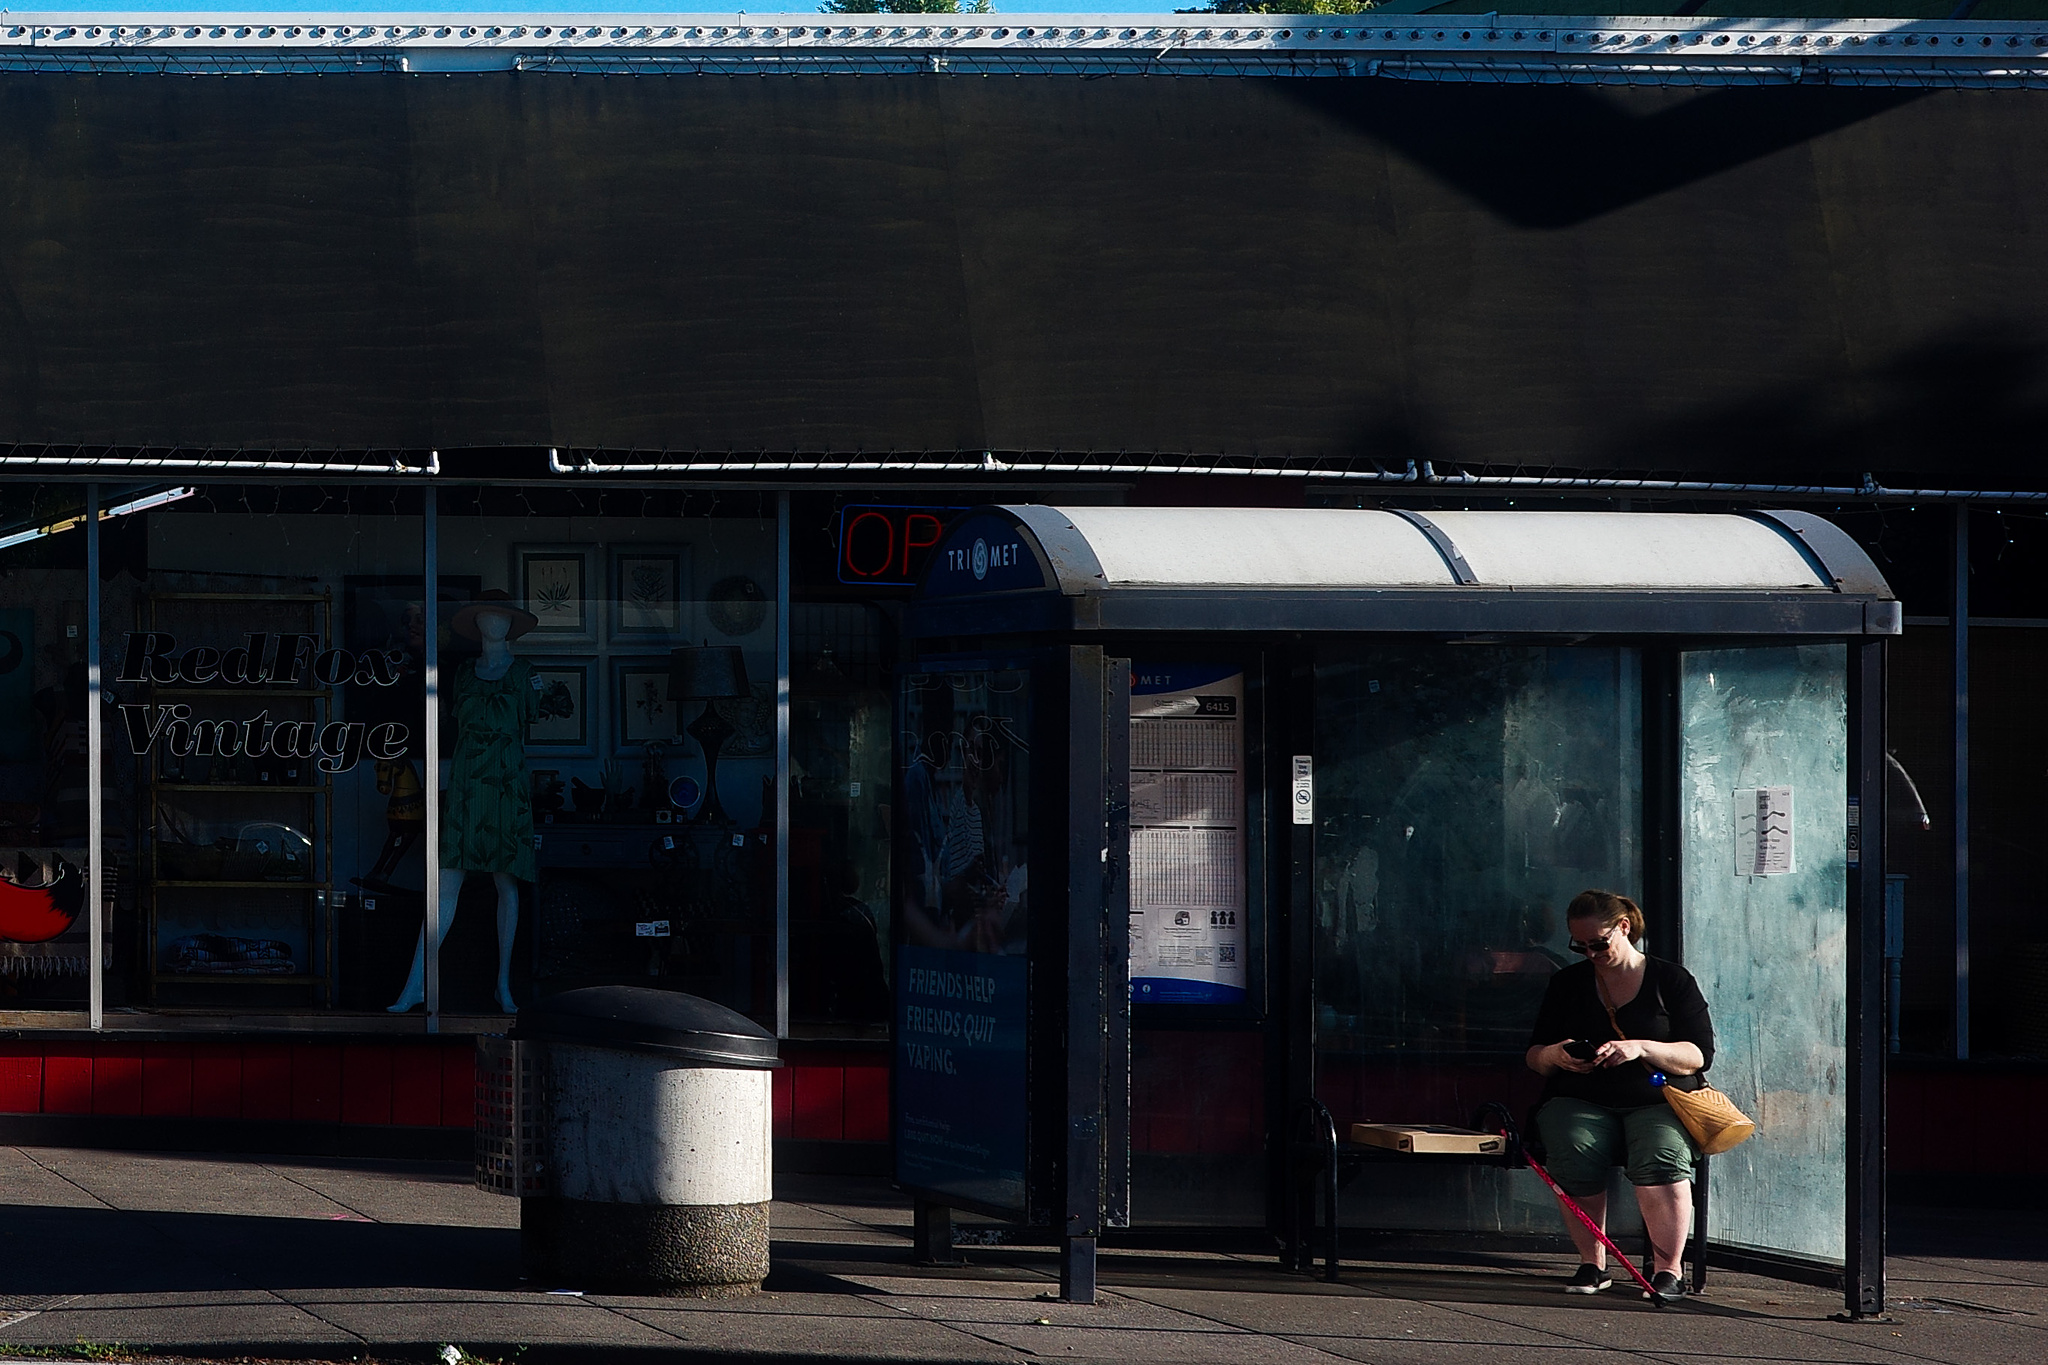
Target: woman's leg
x=1660 y=1163
x=1581 y=1141
x=1667 y=1216
x=1592 y=1251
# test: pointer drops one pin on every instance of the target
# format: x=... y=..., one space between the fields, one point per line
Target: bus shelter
x=1205 y=816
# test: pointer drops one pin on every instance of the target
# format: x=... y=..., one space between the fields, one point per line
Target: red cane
x=1595 y=1229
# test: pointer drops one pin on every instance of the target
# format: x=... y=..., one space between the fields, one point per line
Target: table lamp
x=708 y=673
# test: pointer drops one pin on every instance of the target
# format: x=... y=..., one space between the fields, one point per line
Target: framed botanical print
x=641 y=709
x=648 y=588
x=555 y=583
x=568 y=723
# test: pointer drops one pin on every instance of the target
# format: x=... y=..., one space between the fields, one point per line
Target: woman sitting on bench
x=1604 y=1026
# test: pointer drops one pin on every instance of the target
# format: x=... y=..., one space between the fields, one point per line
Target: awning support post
x=1959 y=623
x=1864 y=1204
x=95 y=776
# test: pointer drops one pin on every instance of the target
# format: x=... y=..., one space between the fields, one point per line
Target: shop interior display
x=405 y=820
x=840 y=724
x=710 y=674
x=249 y=876
x=36 y=906
x=44 y=934
x=239 y=887
x=488 y=826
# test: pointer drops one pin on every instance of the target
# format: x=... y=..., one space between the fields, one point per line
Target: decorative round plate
x=736 y=605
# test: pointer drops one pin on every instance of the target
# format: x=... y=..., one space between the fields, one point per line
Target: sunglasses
x=1592 y=945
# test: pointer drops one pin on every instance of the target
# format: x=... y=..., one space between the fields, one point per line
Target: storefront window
x=45 y=957
x=264 y=712
x=840 y=750
x=606 y=668
x=854 y=564
x=608 y=673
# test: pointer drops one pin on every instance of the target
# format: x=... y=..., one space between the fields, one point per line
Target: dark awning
x=919 y=270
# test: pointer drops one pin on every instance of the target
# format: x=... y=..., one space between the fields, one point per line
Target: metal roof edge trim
x=1441 y=611
x=89 y=466
x=1454 y=558
x=1075 y=566
x=1578 y=46
x=1836 y=553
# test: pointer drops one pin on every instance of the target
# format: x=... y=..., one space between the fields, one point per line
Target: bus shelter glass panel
x=1464 y=794
x=1764 y=833
x=963 y=913
x=608 y=677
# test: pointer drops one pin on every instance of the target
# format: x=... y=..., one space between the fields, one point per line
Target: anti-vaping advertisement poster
x=1188 y=930
x=963 y=903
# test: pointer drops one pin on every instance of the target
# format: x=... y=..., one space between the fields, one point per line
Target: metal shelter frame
x=1065 y=599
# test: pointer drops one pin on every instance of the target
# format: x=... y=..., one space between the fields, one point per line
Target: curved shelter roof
x=1030 y=568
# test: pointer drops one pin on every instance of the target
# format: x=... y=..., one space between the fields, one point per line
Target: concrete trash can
x=653 y=1142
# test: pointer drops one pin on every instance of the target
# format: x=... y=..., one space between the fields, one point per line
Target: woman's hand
x=1618 y=1053
x=1552 y=1057
x=1678 y=1058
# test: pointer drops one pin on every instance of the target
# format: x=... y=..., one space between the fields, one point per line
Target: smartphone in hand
x=1579 y=1049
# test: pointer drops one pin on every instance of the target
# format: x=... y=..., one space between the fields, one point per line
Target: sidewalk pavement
x=313 y=1258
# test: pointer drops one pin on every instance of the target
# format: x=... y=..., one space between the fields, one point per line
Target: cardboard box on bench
x=1428 y=1138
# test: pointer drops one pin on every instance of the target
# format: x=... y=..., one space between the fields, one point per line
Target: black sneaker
x=1666 y=1286
x=1591 y=1279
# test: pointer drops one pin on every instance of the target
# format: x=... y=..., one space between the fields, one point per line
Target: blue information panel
x=960 y=1099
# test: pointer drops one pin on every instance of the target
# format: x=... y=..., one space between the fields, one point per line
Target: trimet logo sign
x=983 y=557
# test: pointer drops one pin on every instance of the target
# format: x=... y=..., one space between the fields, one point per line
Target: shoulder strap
x=1651 y=979
x=1601 y=987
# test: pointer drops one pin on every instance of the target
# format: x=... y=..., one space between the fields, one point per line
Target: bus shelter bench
x=1319 y=1163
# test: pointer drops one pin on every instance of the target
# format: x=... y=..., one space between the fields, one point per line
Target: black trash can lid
x=642 y=1020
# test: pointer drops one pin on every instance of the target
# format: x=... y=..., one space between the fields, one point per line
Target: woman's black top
x=1668 y=1009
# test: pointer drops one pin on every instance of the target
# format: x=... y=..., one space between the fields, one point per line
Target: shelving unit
x=267 y=905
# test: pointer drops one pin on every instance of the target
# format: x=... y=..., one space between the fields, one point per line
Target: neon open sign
x=881 y=544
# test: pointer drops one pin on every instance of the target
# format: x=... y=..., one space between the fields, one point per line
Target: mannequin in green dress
x=488 y=826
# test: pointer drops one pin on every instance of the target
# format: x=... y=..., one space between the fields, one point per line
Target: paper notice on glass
x=1188 y=930
x=1304 y=789
x=1763 y=832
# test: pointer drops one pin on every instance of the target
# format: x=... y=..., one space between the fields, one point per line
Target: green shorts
x=1584 y=1140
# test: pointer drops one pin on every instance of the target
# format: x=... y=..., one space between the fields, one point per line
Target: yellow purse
x=1711 y=1117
